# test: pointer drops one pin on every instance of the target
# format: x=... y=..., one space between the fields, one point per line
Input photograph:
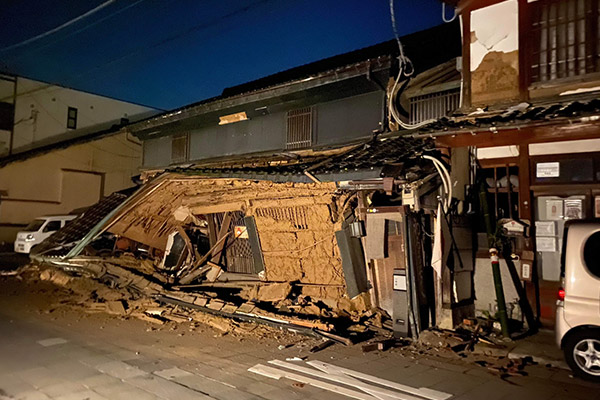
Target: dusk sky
x=168 y=53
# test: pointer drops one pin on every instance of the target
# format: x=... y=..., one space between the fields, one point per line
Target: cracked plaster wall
x=494 y=49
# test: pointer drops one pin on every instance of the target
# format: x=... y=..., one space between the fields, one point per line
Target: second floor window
x=299 y=128
x=179 y=150
x=72 y=118
x=564 y=39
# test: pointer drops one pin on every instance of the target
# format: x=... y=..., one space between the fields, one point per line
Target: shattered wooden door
x=238 y=253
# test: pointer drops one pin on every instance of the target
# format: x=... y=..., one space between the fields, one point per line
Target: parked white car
x=578 y=311
x=38 y=230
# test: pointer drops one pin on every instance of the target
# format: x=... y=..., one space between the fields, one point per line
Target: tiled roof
x=522 y=114
x=373 y=159
x=59 y=243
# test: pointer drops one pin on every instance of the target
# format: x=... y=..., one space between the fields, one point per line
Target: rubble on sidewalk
x=115 y=286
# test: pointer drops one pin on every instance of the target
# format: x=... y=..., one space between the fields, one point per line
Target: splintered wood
x=296 y=224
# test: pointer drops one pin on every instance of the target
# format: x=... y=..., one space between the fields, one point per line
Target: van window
x=35 y=225
x=591 y=254
x=52 y=226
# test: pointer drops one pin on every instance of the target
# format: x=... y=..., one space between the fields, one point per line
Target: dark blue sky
x=168 y=53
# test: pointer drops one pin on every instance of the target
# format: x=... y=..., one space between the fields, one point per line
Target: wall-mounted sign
x=526 y=271
x=545 y=228
x=545 y=244
x=400 y=282
x=574 y=209
x=554 y=209
x=547 y=170
x=240 y=232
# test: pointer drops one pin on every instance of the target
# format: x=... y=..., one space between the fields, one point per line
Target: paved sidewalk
x=65 y=354
x=542 y=348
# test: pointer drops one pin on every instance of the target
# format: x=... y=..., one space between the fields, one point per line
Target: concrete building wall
x=41 y=113
x=64 y=179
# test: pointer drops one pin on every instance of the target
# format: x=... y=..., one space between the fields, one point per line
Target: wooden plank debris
x=223 y=233
x=423 y=392
x=275 y=373
x=322 y=346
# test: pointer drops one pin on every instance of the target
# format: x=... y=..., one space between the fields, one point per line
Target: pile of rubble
x=123 y=286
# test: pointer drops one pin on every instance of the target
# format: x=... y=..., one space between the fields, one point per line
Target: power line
x=175 y=36
x=58 y=28
x=68 y=35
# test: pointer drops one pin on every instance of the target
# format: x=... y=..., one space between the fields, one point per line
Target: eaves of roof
x=580 y=108
x=426 y=48
x=38 y=151
x=364 y=68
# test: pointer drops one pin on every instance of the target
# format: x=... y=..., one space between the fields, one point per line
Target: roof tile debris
x=59 y=243
x=520 y=114
x=370 y=159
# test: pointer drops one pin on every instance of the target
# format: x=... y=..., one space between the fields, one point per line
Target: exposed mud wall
x=296 y=224
x=495 y=53
x=298 y=242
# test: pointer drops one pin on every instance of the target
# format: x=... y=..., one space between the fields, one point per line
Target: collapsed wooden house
x=347 y=229
x=293 y=192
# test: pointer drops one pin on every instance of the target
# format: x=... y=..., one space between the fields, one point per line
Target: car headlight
x=29 y=238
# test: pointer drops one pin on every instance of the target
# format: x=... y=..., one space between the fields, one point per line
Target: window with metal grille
x=179 y=144
x=299 y=128
x=564 y=39
x=433 y=105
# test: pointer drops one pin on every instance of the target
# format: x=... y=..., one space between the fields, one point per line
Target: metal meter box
x=401 y=304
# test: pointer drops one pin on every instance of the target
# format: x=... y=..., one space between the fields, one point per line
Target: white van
x=578 y=310
x=38 y=230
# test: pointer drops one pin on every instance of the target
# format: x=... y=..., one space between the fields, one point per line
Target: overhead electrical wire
x=171 y=38
x=58 y=28
x=75 y=32
x=444 y=14
x=446 y=180
x=405 y=70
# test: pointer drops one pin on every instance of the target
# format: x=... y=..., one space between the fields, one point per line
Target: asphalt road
x=10 y=260
x=52 y=349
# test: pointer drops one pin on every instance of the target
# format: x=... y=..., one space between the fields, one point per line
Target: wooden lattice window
x=179 y=148
x=298 y=215
x=564 y=39
x=299 y=128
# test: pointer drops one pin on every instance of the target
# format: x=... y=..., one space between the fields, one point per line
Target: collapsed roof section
x=574 y=108
x=373 y=159
x=59 y=243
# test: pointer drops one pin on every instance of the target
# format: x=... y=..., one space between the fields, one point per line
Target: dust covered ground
x=53 y=346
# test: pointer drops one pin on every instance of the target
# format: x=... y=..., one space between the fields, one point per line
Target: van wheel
x=582 y=353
